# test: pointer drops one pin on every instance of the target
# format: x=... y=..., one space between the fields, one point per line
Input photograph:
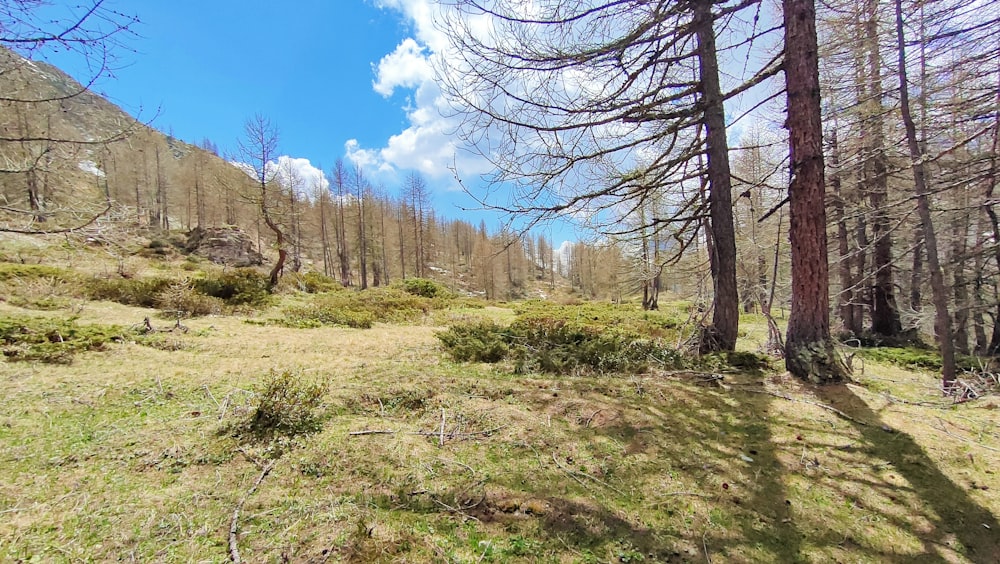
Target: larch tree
x=257 y=149
x=810 y=352
x=588 y=108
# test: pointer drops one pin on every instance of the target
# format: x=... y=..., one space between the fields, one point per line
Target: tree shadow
x=711 y=482
x=952 y=514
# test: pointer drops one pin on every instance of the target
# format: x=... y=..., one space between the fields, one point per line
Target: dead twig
x=234 y=552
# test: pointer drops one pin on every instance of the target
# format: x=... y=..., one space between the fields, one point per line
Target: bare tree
x=257 y=149
x=590 y=108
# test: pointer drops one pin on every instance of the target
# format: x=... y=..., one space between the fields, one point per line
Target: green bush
x=425 y=288
x=54 y=340
x=142 y=292
x=914 y=357
x=243 y=286
x=285 y=406
x=9 y=270
x=556 y=346
x=317 y=315
x=357 y=309
x=316 y=283
x=597 y=316
x=483 y=341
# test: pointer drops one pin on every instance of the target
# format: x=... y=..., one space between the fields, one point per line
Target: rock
x=229 y=246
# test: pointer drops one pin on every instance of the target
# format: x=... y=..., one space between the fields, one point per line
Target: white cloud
x=300 y=174
x=428 y=144
x=292 y=172
x=406 y=67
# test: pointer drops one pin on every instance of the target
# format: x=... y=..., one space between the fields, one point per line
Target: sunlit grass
x=128 y=453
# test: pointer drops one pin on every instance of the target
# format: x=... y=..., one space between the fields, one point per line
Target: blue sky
x=345 y=79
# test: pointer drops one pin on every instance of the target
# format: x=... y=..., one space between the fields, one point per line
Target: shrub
x=54 y=340
x=556 y=346
x=10 y=271
x=357 y=309
x=142 y=292
x=915 y=358
x=285 y=406
x=243 y=286
x=182 y=299
x=317 y=315
x=482 y=341
x=425 y=288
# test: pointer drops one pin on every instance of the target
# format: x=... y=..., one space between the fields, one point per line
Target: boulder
x=229 y=246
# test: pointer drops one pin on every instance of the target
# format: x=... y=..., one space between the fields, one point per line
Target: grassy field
x=134 y=453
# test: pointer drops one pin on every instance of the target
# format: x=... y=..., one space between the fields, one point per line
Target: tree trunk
x=885 y=313
x=726 y=309
x=942 y=318
x=809 y=351
x=850 y=325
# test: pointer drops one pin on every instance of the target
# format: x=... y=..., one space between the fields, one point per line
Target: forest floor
x=128 y=454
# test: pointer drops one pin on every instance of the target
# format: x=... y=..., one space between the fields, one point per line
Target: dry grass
x=125 y=455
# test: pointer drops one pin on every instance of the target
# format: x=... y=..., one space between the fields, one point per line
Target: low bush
x=914 y=358
x=425 y=288
x=286 y=405
x=243 y=286
x=557 y=346
x=316 y=283
x=9 y=270
x=181 y=299
x=357 y=309
x=598 y=315
x=481 y=341
x=54 y=340
x=141 y=292
x=319 y=314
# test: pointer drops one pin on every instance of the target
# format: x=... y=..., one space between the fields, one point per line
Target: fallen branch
x=234 y=552
x=438 y=434
x=829 y=408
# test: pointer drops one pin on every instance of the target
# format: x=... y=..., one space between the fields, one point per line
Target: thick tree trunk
x=809 y=351
x=726 y=311
x=942 y=318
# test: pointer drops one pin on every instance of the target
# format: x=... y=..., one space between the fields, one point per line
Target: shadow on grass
x=697 y=475
x=951 y=512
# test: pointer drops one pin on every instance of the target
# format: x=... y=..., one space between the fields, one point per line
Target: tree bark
x=726 y=309
x=809 y=350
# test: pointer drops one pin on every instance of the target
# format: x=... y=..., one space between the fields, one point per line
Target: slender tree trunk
x=885 y=313
x=942 y=318
x=809 y=351
x=726 y=309
x=850 y=325
x=960 y=289
x=917 y=269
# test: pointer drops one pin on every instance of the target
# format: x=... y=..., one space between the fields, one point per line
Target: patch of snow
x=91 y=167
